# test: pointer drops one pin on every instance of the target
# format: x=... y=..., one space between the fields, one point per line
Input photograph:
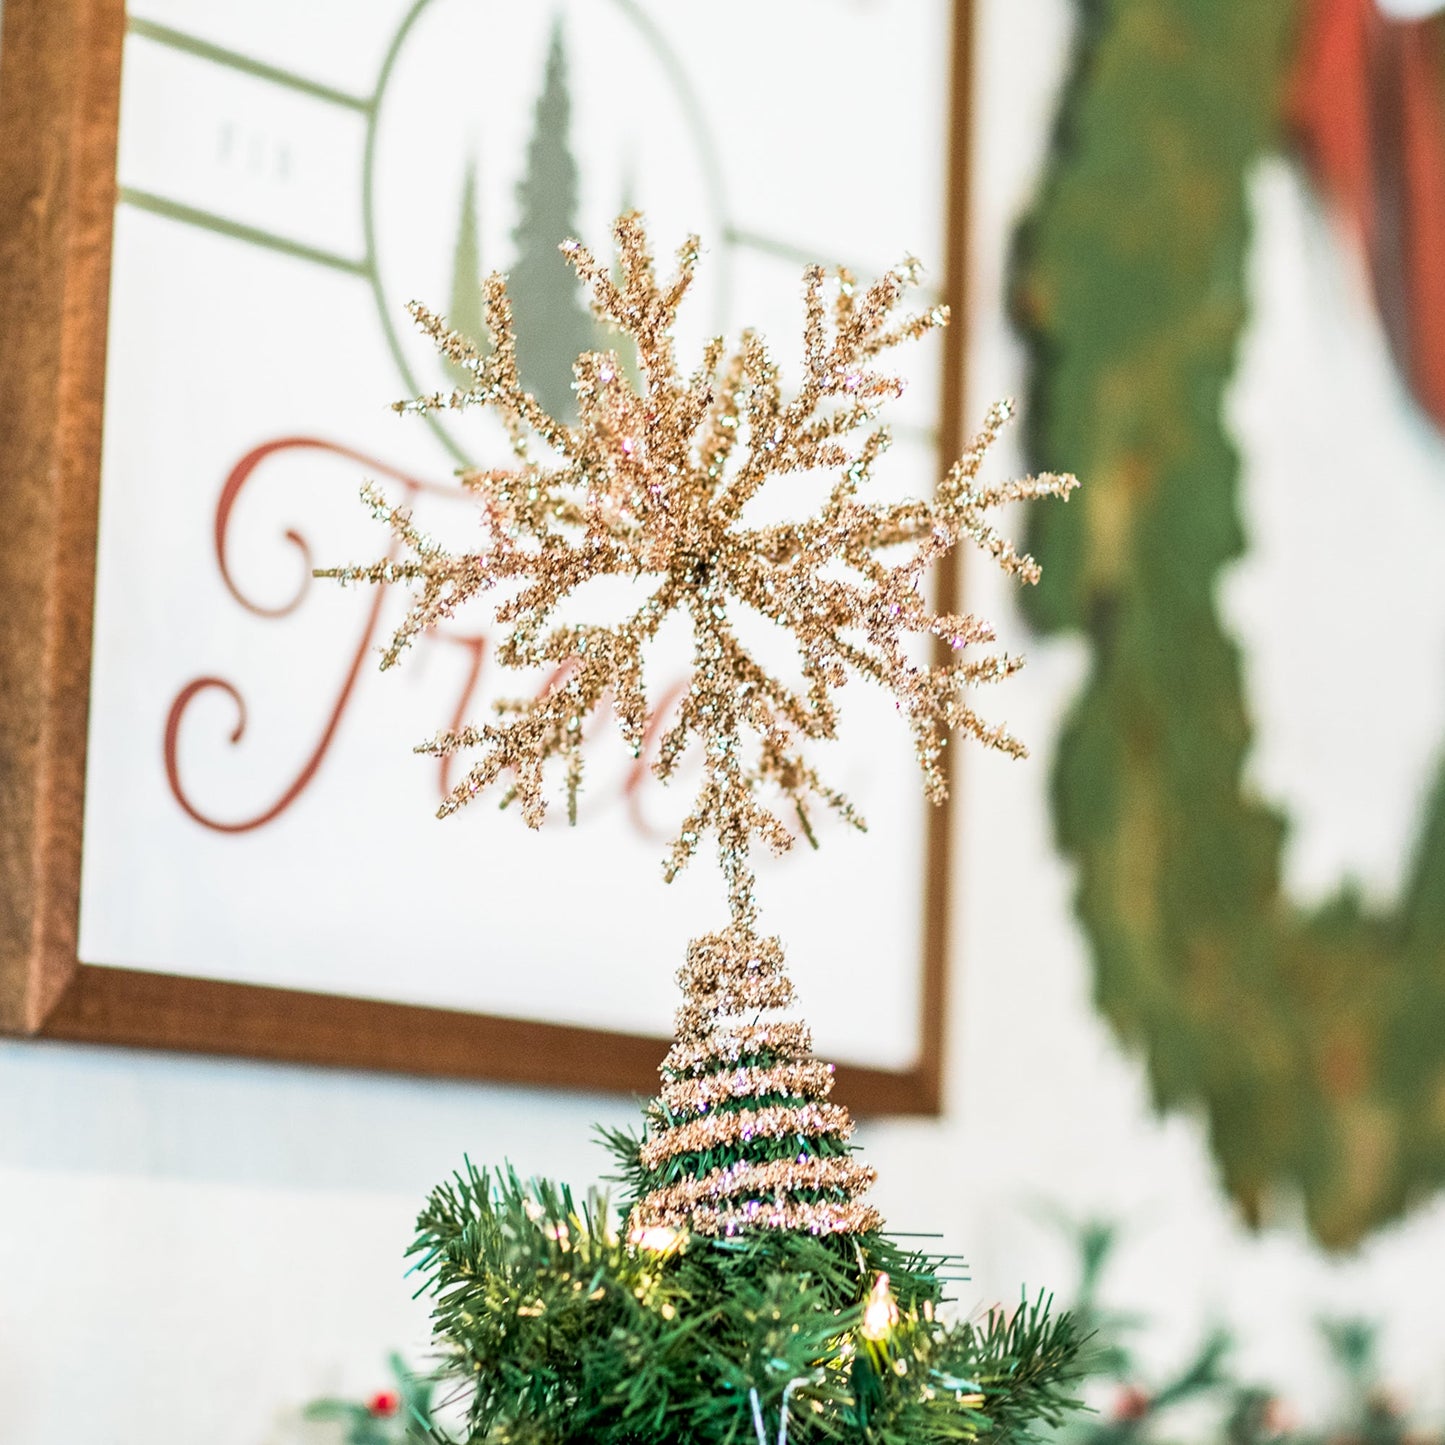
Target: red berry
x=384 y=1402
x=1132 y=1403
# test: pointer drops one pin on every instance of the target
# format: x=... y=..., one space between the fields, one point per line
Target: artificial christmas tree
x=746 y=1287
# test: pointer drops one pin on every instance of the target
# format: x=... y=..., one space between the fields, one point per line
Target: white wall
x=190 y=1248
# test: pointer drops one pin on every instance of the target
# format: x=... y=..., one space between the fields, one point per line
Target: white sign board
x=291 y=174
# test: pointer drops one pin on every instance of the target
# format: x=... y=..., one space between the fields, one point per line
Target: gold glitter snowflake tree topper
x=653 y=484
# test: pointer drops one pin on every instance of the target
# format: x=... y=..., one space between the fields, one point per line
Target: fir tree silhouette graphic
x=553 y=325
x=464 y=313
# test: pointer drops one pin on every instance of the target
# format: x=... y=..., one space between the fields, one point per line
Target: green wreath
x=1313 y=1040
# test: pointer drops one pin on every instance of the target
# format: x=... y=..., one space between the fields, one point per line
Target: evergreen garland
x=1310 y=1037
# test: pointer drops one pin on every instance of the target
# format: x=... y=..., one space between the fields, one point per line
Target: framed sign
x=214 y=836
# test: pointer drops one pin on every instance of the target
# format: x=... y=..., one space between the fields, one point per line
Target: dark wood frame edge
x=928 y=1072
x=59 y=93
x=59 y=101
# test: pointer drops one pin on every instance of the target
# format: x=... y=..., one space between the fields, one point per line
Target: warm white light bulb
x=880 y=1314
x=660 y=1238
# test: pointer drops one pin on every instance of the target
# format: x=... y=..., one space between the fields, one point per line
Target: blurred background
x=1194 y=1053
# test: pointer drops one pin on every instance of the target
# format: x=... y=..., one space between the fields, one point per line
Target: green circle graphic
x=674 y=75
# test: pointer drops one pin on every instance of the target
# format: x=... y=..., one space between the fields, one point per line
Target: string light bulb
x=880 y=1314
x=659 y=1238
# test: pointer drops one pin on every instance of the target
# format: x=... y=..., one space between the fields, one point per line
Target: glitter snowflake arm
x=652 y=484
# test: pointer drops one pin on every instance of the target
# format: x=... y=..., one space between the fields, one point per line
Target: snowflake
x=653 y=484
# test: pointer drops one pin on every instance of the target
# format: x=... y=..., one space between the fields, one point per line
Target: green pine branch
x=557 y=1328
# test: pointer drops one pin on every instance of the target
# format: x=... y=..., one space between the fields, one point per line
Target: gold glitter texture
x=808 y=1077
x=741 y=1126
x=652 y=485
x=761 y=1180
x=813 y=1218
x=724 y=1045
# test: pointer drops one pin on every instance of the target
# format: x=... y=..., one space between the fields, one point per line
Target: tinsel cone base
x=742 y=1135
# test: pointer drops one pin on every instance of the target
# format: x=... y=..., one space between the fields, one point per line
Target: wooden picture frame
x=60 y=64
